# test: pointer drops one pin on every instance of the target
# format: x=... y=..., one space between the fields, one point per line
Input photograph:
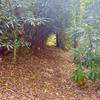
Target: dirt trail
x=43 y=76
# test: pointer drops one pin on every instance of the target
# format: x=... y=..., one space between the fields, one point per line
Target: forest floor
x=43 y=76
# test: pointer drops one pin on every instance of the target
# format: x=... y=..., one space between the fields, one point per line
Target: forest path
x=43 y=76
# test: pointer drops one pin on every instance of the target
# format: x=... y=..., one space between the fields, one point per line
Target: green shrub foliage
x=12 y=34
x=85 y=34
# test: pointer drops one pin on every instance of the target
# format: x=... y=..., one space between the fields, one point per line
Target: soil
x=43 y=75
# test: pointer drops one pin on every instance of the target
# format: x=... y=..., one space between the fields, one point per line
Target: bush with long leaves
x=85 y=36
x=12 y=34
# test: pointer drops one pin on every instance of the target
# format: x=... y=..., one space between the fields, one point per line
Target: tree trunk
x=59 y=43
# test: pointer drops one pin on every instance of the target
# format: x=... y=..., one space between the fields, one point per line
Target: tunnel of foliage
x=74 y=23
x=29 y=24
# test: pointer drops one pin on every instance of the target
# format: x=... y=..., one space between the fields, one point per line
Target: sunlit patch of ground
x=51 y=41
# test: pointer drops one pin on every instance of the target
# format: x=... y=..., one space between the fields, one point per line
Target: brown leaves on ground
x=42 y=76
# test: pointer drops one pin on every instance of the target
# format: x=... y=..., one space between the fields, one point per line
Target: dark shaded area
x=56 y=12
